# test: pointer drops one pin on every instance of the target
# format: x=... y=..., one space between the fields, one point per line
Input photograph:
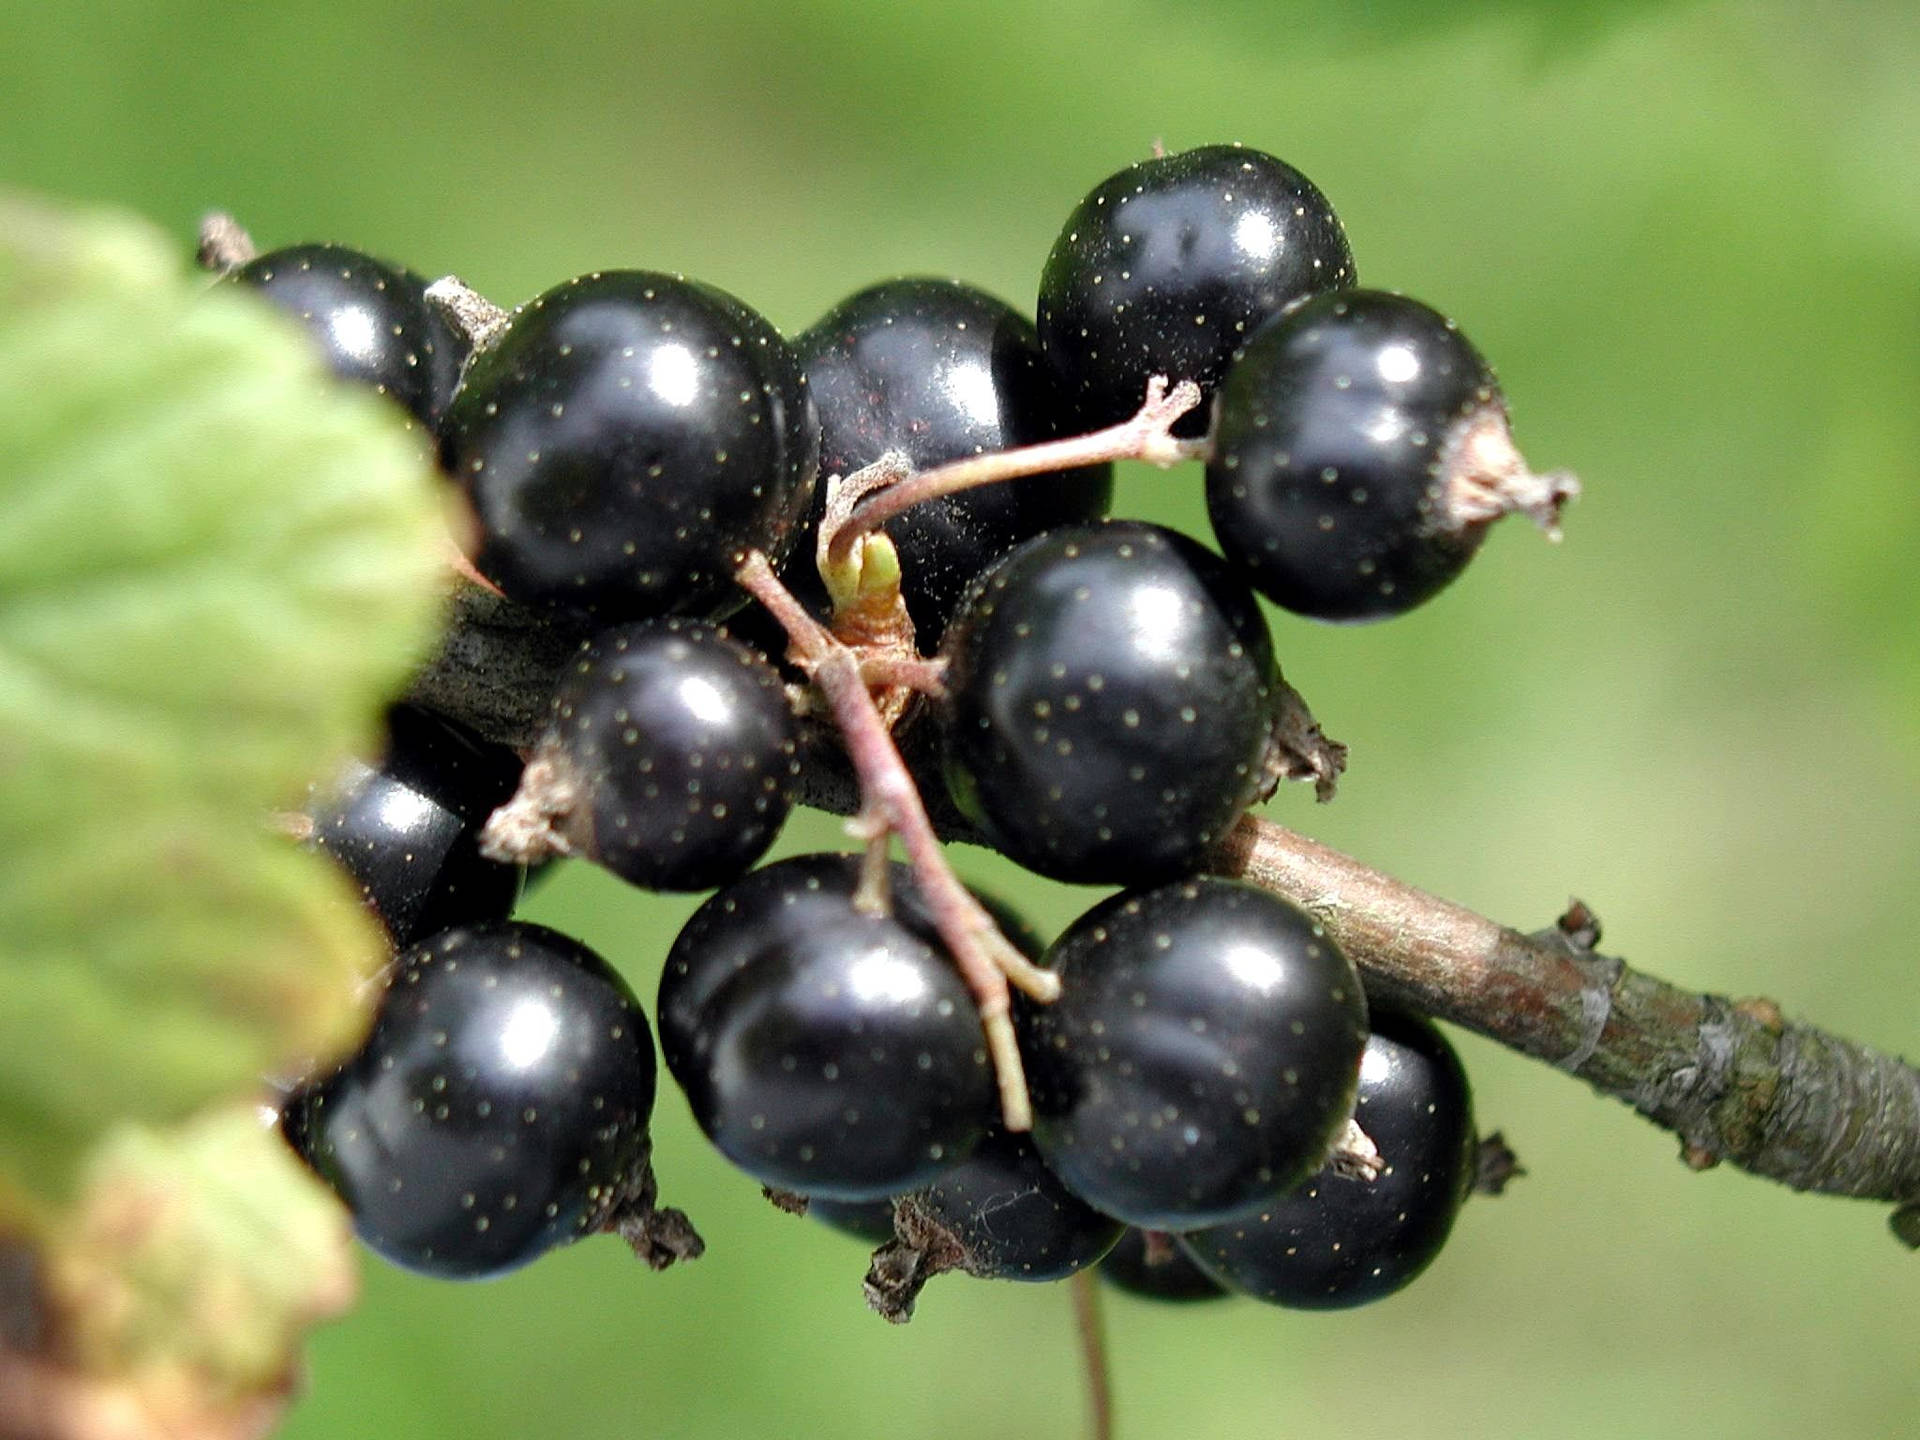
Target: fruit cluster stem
x=1733 y=1079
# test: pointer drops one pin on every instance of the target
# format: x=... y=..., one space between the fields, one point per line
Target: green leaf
x=216 y=565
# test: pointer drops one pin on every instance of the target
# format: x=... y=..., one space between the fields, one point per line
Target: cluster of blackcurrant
x=1189 y=1080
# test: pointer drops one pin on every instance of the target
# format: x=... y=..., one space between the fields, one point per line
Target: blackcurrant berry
x=1000 y=1214
x=1149 y=1264
x=670 y=757
x=370 y=319
x=407 y=830
x=868 y=1220
x=1169 y=265
x=938 y=371
x=1361 y=453
x=1201 y=1057
x=625 y=440
x=1333 y=1242
x=498 y=1109
x=1110 y=706
x=824 y=1049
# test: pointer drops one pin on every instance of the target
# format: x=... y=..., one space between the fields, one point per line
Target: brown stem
x=1093 y=1354
x=1734 y=1079
x=1147 y=435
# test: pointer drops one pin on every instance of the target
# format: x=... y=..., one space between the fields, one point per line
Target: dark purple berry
x=1169 y=265
x=407 y=830
x=1000 y=1214
x=1148 y=1263
x=1334 y=1242
x=626 y=440
x=938 y=371
x=370 y=319
x=824 y=1049
x=498 y=1109
x=1201 y=1057
x=671 y=756
x=1111 y=703
x=1361 y=453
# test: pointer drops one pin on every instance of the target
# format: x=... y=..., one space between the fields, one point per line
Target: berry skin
x=681 y=750
x=1352 y=430
x=1332 y=1242
x=407 y=830
x=1153 y=1267
x=1170 y=264
x=1202 y=1054
x=1000 y=1214
x=824 y=1050
x=1111 y=702
x=939 y=371
x=371 y=320
x=498 y=1109
x=626 y=440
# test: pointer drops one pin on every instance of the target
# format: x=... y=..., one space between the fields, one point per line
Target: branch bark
x=1734 y=1079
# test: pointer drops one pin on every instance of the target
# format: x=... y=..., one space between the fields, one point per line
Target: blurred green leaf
x=215 y=566
x=180 y=1286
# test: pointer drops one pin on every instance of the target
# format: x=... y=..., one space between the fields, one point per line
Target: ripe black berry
x=1169 y=265
x=407 y=830
x=824 y=1049
x=1333 y=1242
x=670 y=757
x=1202 y=1054
x=1362 y=450
x=498 y=1109
x=939 y=371
x=370 y=319
x=1000 y=1214
x=625 y=440
x=1149 y=1264
x=1111 y=701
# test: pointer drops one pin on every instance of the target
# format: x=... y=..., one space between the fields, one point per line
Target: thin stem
x=1093 y=1354
x=1147 y=435
x=986 y=959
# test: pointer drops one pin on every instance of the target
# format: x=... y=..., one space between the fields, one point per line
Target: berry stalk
x=890 y=799
x=1146 y=435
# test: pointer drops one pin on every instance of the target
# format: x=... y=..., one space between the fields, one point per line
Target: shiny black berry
x=1169 y=265
x=498 y=1109
x=1000 y=1214
x=1333 y=1242
x=1111 y=702
x=1201 y=1057
x=625 y=440
x=671 y=756
x=824 y=1049
x=371 y=320
x=1148 y=1263
x=937 y=371
x=1362 y=451
x=407 y=829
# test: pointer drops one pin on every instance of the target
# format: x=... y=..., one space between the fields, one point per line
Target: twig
x=1734 y=1079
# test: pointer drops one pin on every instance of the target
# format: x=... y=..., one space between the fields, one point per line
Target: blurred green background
x=1689 y=238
